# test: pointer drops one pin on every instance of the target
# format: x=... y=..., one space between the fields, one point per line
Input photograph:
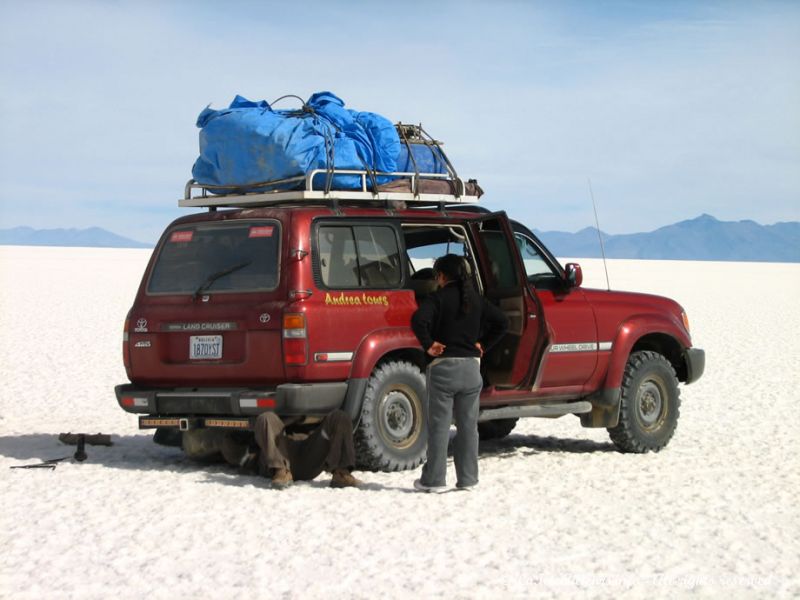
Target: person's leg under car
x=274 y=456
x=329 y=447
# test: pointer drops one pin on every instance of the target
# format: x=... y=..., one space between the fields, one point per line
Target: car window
x=352 y=256
x=537 y=269
x=337 y=257
x=534 y=262
x=500 y=258
x=217 y=257
x=425 y=243
x=424 y=256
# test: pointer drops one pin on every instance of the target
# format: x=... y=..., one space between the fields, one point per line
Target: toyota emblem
x=264 y=318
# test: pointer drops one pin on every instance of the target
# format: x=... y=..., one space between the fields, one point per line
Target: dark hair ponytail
x=455 y=269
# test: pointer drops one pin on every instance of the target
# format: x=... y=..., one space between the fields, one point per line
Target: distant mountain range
x=94 y=237
x=703 y=238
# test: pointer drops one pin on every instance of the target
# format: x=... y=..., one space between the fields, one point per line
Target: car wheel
x=649 y=405
x=392 y=434
x=494 y=430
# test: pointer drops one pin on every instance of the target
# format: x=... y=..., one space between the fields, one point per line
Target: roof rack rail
x=410 y=188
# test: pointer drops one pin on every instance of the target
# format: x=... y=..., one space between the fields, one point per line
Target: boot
x=343 y=478
x=282 y=478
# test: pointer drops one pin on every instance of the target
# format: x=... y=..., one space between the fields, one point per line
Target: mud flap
x=605 y=409
x=354 y=398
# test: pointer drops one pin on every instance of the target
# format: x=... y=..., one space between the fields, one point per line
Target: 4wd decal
x=362 y=299
x=580 y=347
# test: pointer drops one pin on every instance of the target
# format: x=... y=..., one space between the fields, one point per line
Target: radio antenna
x=599 y=234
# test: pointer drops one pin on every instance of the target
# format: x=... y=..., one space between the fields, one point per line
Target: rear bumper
x=695 y=364
x=313 y=399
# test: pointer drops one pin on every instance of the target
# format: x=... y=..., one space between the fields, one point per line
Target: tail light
x=126 y=351
x=295 y=339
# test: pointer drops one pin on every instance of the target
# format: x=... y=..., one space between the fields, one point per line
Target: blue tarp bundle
x=250 y=143
x=423 y=158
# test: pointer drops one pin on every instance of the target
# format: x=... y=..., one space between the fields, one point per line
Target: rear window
x=217 y=257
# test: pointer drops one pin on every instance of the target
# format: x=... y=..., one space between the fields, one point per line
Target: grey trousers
x=454 y=386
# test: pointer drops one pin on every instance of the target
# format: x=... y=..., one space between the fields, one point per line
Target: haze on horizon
x=673 y=109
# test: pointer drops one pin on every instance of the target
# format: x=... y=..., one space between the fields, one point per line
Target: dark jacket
x=438 y=320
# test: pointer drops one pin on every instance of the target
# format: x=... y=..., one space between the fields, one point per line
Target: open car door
x=514 y=361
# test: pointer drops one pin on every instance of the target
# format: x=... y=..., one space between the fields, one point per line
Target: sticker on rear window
x=181 y=236
x=261 y=231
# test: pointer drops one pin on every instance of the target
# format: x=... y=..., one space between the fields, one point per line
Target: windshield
x=214 y=257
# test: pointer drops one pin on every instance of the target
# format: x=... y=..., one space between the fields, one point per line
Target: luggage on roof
x=252 y=154
x=420 y=153
x=250 y=143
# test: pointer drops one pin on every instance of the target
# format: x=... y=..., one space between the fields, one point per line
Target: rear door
x=358 y=274
x=209 y=312
x=514 y=361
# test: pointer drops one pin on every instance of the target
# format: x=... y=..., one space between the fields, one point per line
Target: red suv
x=300 y=302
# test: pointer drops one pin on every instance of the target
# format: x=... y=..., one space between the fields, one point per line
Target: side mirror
x=574 y=274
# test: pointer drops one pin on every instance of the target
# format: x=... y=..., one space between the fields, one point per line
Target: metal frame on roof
x=275 y=192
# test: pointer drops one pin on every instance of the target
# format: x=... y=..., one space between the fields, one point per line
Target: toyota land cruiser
x=299 y=302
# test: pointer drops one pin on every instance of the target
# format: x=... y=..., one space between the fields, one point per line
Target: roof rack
x=411 y=188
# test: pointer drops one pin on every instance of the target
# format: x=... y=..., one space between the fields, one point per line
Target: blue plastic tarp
x=250 y=143
x=422 y=158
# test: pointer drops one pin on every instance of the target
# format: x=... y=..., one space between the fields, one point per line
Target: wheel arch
x=383 y=345
x=647 y=332
x=667 y=346
x=376 y=349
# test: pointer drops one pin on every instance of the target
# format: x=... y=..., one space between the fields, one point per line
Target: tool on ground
x=81 y=439
x=46 y=464
x=72 y=439
x=93 y=439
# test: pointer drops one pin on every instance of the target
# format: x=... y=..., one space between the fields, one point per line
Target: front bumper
x=302 y=399
x=695 y=364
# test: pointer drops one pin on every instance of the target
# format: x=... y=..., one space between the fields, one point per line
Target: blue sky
x=673 y=109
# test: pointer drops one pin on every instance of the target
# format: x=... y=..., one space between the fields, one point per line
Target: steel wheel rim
x=650 y=405
x=399 y=416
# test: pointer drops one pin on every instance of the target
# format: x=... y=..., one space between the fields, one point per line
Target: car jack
x=80 y=439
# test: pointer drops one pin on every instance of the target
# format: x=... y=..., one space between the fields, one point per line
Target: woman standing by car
x=455 y=326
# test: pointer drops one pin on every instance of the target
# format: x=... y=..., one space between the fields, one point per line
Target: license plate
x=205 y=347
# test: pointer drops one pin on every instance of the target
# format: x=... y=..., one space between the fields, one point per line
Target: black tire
x=649 y=405
x=168 y=437
x=392 y=434
x=497 y=429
